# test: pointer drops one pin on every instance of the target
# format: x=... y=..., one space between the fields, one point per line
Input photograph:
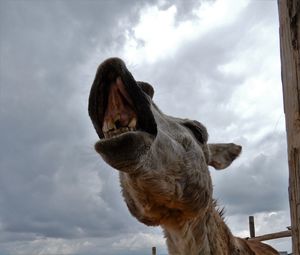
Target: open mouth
x=120 y=116
x=117 y=103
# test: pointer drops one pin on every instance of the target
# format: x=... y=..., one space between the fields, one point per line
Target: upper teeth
x=117 y=117
x=132 y=123
x=108 y=125
x=118 y=131
x=109 y=128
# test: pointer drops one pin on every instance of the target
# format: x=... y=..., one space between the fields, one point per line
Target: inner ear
x=222 y=154
x=147 y=88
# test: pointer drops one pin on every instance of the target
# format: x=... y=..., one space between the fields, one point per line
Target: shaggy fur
x=163 y=163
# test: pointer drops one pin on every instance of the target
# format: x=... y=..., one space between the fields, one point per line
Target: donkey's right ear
x=223 y=154
x=147 y=88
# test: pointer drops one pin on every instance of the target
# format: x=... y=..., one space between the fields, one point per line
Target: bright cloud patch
x=158 y=35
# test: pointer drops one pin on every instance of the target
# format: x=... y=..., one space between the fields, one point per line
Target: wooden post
x=251 y=226
x=153 y=250
x=289 y=19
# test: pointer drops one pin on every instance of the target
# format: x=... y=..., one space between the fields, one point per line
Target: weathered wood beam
x=289 y=19
x=275 y=235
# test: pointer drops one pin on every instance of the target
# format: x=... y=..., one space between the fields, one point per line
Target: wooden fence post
x=153 y=250
x=251 y=226
x=289 y=19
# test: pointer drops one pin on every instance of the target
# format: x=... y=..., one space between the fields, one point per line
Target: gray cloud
x=48 y=187
x=52 y=184
x=259 y=184
x=185 y=9
x=194 y=72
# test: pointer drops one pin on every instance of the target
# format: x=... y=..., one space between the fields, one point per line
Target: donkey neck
x=202 y=235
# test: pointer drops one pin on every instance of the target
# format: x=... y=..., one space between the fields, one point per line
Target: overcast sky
x=214 y=61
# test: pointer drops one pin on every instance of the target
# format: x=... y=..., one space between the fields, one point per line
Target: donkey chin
x=163 y=163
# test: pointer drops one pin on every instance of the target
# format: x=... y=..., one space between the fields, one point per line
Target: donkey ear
x=197 y=129
x=222 y=154
x=147 y=88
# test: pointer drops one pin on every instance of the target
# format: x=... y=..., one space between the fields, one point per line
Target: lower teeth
x=119 y=131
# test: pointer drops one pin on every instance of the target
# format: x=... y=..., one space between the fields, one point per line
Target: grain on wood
x=289 y=19
x=272 y=236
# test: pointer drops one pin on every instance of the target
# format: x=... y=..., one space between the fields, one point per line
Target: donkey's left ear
x=223 y=154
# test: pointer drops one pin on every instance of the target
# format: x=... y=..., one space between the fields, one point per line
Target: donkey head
x=167 y=156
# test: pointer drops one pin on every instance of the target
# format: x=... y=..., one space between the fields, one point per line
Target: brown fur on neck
x=209 y=235
x=205 y=234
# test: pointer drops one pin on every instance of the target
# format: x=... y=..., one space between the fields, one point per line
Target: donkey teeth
x=132 y=123
x=108 y=125
x=106 y=134
x=105 y=127
x=116 y=132
x=110 y=130
x=117 y=117
x=111 y=126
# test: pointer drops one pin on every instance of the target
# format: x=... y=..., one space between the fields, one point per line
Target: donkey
x=163 y=164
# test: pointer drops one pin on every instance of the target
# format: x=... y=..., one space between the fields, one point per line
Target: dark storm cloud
x=259 y=184
x=46 y=141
